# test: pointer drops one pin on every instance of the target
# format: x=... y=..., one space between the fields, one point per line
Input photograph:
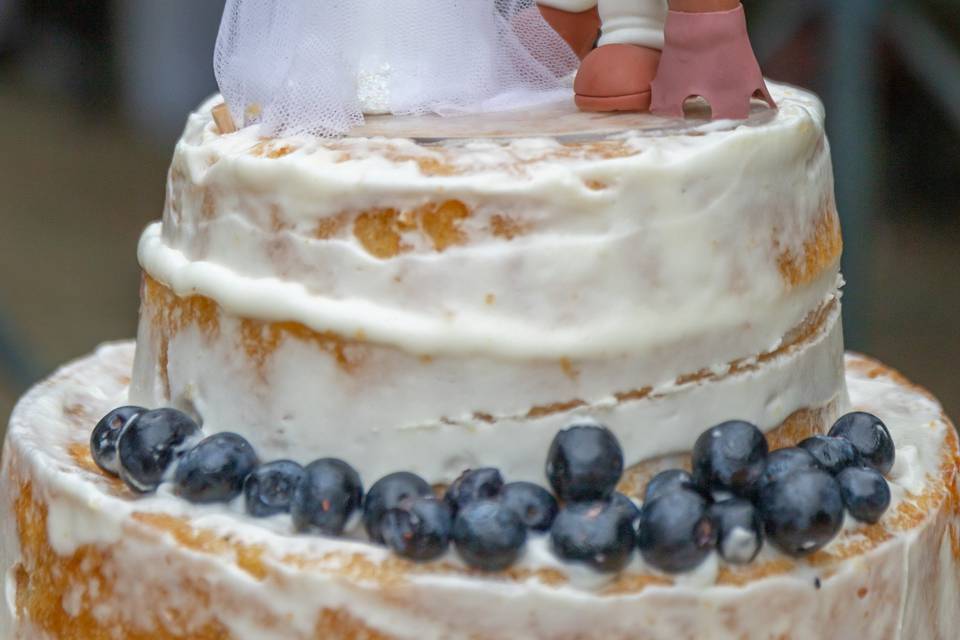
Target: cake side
x=300 y=394
x=675 y=231
x=421 y=290
x=84 y=556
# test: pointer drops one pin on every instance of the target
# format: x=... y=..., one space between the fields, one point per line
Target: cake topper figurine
x=653 y=57
x=707 y=53
x=318 y=66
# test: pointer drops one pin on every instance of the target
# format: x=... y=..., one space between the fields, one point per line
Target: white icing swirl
x=611 y=334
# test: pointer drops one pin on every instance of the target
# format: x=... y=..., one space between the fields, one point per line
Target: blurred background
x=93 y=95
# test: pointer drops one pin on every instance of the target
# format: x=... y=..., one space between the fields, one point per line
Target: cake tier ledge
x=84 y=558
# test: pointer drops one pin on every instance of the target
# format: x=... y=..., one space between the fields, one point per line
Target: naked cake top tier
x=440 y=282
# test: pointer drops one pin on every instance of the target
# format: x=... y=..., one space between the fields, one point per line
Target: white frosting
x=610 y=335
x=908 y=579
x=8 y=612
x=740 y=545
x=632 y=271
x=71 y=526
x=423 y=420
x=682 y=243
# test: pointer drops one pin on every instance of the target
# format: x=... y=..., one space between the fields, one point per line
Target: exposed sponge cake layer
x=298 y=393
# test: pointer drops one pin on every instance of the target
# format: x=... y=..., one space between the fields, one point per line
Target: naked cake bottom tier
x=83 y=557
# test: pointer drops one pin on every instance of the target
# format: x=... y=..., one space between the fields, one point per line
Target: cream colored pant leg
x=633 y=22
x=624 y=21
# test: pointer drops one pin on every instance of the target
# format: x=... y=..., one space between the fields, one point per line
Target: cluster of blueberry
x=737 y=493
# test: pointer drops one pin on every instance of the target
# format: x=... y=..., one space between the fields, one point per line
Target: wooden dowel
x=221 y=115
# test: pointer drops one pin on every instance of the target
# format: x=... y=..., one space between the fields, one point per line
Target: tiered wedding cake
x=433 y=295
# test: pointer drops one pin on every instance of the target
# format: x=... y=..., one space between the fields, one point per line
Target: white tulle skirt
x=316 y=66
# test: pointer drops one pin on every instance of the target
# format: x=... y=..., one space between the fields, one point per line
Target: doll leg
x=577 y=21
x=707 y=53
x=617 y=75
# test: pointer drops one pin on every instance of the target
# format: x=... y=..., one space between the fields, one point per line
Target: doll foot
x=708 y=55
x=616 y=77
x=580 y=30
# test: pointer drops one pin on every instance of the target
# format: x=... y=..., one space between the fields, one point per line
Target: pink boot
x=616 y=77
x=708 y=55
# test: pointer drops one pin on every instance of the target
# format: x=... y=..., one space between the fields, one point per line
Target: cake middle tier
x=298 y=393
x=441 y=304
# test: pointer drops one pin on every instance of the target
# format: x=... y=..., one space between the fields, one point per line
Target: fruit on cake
x=519 y=372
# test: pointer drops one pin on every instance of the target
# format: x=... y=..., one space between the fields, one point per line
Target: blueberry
x=783 y=462
x=150 y=443
x=387 y=493
x=488 y=535
x=214 y=470
x=103 y=440
x=801 y=512
x=326 y=497
x=473 y=484
x=865 y=493
x=668 y=480
x=598 y=534
x=675 y=532
x=833 y=454
x=716 y=495
x=585 y=462
x=730 y=457
x=420 y=530
x=739 y=530
x=534 y=504
x=269 y=489
x=627 y=507
x=870 y=437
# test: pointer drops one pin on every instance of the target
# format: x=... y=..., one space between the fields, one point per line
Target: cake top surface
x=515 y=143
x=563 y=121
